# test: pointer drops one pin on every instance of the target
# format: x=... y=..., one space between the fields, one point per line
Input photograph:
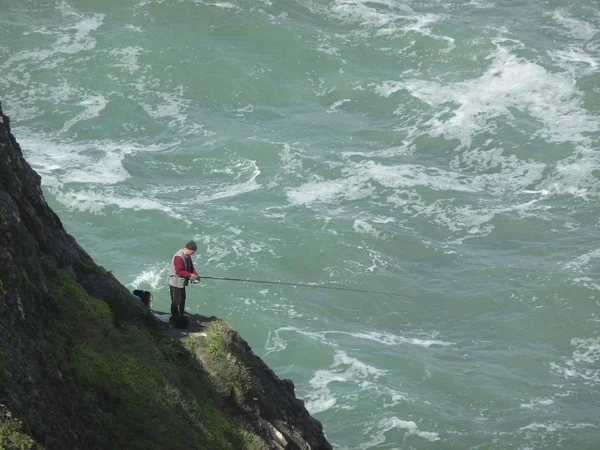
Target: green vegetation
x=11 y=434
x=227 y=369
x=88 y=268
x=139 y=388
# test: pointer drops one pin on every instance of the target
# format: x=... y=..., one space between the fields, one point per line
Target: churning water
x=445 y=150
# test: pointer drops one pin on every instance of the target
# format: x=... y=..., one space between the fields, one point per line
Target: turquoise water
x=446 y=151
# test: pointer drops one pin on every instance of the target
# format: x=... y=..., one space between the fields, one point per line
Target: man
x=182 y=269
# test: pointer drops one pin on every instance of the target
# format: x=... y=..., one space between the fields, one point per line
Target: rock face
x=267 y=404
x=84 y=366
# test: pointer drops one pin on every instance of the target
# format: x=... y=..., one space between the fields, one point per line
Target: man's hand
x=195 y=277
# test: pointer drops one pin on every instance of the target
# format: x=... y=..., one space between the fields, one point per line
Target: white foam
x=584 y=62
x=280 y=308
x=396 y=397
x=318 y=336
x=96 y=201
x=92 y=105
x=421 y=26
x=575 y=28
x=100 y=164
x=576 y=175
x=154 y=276
x=391 y=423
x=358 y=183
x=364 y=12
x=551 y=427
x=392 y=339
x=390 y=152
x=235 y=230
x=329 y=49
x=586 y=282
x=536 y=403
x=81 y=40
x=588 y=350
x=583 y=364
x=423 y=340
x=291 y=158
x=467 y=108
x=412 y=428
x=362 y=226
x=169 y=107
x=501 y=173
x=134 y=28
x=239 y=188
x=61 y=161
x=275 y=343
x=66 y=162
x=72 y=38
x=127 y=57
x=226 y=251
x=329 y=191
x=224 y=181
x=344 y=369
x=582 y=262
x=480 y=4
x=333 y=108
x=215 y=252
x=225 y=5
x=388 y=18
x=396 y=184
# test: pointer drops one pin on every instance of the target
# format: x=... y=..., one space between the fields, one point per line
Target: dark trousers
x=177 y=300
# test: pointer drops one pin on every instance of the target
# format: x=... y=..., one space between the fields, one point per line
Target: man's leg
x=178 y=320
x=171 y=290
x=177 y=300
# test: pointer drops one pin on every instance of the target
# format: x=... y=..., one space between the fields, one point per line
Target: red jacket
x=180 y=268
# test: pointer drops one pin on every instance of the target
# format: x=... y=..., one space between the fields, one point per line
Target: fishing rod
x=318 y=286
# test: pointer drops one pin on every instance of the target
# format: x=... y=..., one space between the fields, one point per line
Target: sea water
x=442 y=150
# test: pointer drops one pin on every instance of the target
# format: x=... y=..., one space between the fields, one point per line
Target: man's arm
x=194 y=273
x=180 y=268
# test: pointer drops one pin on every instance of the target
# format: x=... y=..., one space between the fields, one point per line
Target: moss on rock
x=228 y=372
x=148 y=389
x=12 y=436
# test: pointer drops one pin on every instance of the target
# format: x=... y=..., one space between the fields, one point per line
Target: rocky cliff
x=84 y=366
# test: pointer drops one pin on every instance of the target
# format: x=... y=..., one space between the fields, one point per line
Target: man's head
x=190 y=248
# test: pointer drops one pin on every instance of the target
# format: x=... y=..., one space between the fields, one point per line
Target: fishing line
x=317 y=286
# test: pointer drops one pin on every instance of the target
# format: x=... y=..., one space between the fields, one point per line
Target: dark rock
x=270 y=406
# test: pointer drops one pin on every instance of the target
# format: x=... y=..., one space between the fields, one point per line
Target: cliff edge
x=85 y=366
